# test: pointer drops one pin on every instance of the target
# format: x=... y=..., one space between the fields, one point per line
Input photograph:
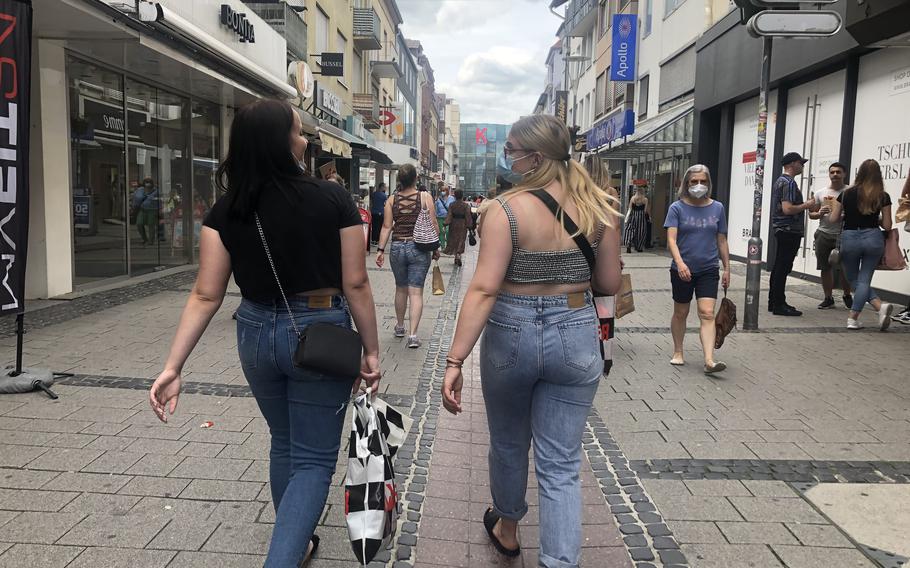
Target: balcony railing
x=287 y=22
x=367 y=29
x=576 y=13
x=367 y=105
x=386 y=69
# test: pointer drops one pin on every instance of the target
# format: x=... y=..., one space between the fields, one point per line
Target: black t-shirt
x=853 y=218
x=301 y=222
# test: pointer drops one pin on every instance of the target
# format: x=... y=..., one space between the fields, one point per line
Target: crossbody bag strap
x=580 y=240
x=268 y=254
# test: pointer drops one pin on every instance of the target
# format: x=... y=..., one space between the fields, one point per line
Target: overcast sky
x=487 y=54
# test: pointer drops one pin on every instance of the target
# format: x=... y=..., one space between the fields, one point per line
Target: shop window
x=643 y=87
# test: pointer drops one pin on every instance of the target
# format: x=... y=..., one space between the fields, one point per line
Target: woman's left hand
x=725 y=279
x=164 y=393
x=436 y=254
x=451 y=389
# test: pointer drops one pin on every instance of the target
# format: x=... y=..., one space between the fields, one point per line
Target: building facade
x=480 y=146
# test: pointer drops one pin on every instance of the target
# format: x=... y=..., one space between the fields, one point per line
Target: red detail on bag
x=392 y=500
x=347 y=496
x=604 y=331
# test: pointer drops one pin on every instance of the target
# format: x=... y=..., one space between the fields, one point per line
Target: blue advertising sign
x=625 y=34
x=82 y=211
x=612 y=128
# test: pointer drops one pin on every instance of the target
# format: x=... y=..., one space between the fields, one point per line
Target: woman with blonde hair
x=866 y=208
x=540 y=357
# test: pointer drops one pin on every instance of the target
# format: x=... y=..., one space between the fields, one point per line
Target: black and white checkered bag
x=426 y=237
x=371 y=504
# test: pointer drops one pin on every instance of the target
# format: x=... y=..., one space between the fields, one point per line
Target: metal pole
x=20 y=340
x=753 y=269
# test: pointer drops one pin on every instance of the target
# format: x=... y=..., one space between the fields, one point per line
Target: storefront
x=130 y=129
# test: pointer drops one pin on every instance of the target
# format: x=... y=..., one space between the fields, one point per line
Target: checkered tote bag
x=371 y=505
x=426 y=237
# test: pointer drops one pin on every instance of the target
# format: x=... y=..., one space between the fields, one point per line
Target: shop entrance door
x=814 y=117
x=160 y=189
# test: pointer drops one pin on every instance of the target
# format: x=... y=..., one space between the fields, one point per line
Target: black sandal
x=306 y=559
x=489 y=521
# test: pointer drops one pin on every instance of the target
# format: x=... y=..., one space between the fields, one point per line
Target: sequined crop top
x=544 y=267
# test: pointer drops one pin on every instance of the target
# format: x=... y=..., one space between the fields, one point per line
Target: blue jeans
x=860 y=252
x=540 y=366
x=305 y=413
x=409 y=264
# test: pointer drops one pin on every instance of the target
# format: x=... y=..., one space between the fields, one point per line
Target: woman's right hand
x=451 y=389
x=380 y=259
x=683 y=271
x=369 y=373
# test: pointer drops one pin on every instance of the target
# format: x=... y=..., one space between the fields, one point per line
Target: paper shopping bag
x=439 y=287
x=625 y=303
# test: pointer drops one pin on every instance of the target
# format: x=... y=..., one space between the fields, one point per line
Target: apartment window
x=608 y=91
x=587 y=121
x=643 y=85
x=671 y=6
x=649 y=13
x=619 y=93
x=357 y=72
x=341 y=46
x=604 y=12
x=322 y=31
x=600 y=94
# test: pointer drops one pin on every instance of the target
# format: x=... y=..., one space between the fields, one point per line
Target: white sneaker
x=854 y=324
x=884 y=316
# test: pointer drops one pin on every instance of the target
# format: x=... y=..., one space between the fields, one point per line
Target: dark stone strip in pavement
x=97 y=302
x=648 y=539
x=620 y=329
x=793 y=471
x=193 y=387
x=412 y=462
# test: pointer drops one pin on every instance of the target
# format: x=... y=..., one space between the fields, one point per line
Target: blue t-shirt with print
x=696 y=236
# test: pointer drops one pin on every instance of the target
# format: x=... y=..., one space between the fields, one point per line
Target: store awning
x=376 y=155
x=334 y=144
x=653 y=136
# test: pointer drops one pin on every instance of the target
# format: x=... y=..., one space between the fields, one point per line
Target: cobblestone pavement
x=680 y=469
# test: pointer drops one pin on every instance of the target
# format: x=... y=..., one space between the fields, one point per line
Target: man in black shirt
x=787 y=220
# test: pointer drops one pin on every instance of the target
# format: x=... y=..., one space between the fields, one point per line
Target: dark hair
x=871 y=187
x=381 y=186
x=837 y=165
x=459 y=194
x=407 y=176
x=259 y=154
x=148 y=180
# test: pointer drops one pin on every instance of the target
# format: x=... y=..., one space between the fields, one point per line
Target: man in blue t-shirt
x=443 y=201
x=788 y=212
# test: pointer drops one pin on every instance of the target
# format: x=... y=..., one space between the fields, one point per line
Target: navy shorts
x=703 y=284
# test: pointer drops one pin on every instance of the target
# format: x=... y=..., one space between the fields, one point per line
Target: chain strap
x=268 y=253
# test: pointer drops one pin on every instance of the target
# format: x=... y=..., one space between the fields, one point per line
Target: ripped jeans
x=305 y=412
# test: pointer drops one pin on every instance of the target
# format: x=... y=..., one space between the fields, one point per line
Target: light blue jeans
x=540 y=366
x=860 y=251
x=305 y=413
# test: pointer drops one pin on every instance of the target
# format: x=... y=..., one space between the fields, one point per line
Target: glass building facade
x=479 y=147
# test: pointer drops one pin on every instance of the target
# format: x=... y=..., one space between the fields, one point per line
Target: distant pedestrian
x=636 y=227
x=146 y=202
x=265 y=187
x=377 y=210
x=787 y=218
x=866 y=208
x=409 y=264
x=540 y=358
x=442 y=205
x=697 y=238
x=459 y=222
x=904 y=315
x=827 y=235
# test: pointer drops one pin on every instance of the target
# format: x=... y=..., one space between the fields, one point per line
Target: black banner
x=15 y=70
x=332 y=64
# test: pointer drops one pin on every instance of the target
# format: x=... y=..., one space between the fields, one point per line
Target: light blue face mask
x=504 y=169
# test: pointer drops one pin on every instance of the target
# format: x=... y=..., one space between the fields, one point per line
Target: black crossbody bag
x=322 y=347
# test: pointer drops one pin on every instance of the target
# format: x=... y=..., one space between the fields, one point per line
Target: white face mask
x=698 y=191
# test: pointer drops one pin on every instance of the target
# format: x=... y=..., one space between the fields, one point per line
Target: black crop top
x=853 y=219
x=301 y=222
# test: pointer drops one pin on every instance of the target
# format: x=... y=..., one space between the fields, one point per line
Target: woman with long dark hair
x=866 y=208
x=315 y=241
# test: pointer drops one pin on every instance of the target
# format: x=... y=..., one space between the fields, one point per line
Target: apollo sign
x=237 y=22
x=625 y=34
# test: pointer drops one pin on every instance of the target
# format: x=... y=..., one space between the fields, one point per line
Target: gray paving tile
x=211 y=468
x=72 y=440
x=32 y=500
x=255 y=447
x=819 y=535
x=28 y=437
x=719 y=451
x=770 y=488
x=716 y=487
x=201 y=450
x=776 y=510
x=694 y=508
x=91 y=482
x=65 y=459
x=696 y=532
x=838 y=452
x=154 y=432
x=122 y=558
x=104 y=428
x=91 y=503
x=258 y=471
x=654 y=450
x=212 y=436
x=777 y=451
x=132 y=530
x=39 y=528
x=757 y=533
x=154 y=486
x=7 y=516
x=110 y=443
x=45 y=556
x=156 y=446
x=45 y=409
x=237 y=511
x=184 y=535
x=815 y=557
x=221 y=490
x=222 y=560
x=25 y=478
x=158 y=465
x=113 y=462
x=247 y=538
x=181 y=509
x=12 y=455
x=729 y=555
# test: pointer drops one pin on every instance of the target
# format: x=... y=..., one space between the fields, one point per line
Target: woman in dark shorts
x=697 y=237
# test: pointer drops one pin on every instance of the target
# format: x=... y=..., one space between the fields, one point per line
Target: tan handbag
x=439 y=287
x=893 y=259
x=903 y=210
x=724 y=321
x=625 y=301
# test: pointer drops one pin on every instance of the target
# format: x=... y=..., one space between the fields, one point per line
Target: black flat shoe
x=489 y=521
x=306 y=559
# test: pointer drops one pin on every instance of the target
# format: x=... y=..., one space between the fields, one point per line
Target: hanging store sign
x=611 y=128
x=15 y=87
x=562 y=106
x=332 y=64
x=237 y=22
x=622 y=63
x=328 y=101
